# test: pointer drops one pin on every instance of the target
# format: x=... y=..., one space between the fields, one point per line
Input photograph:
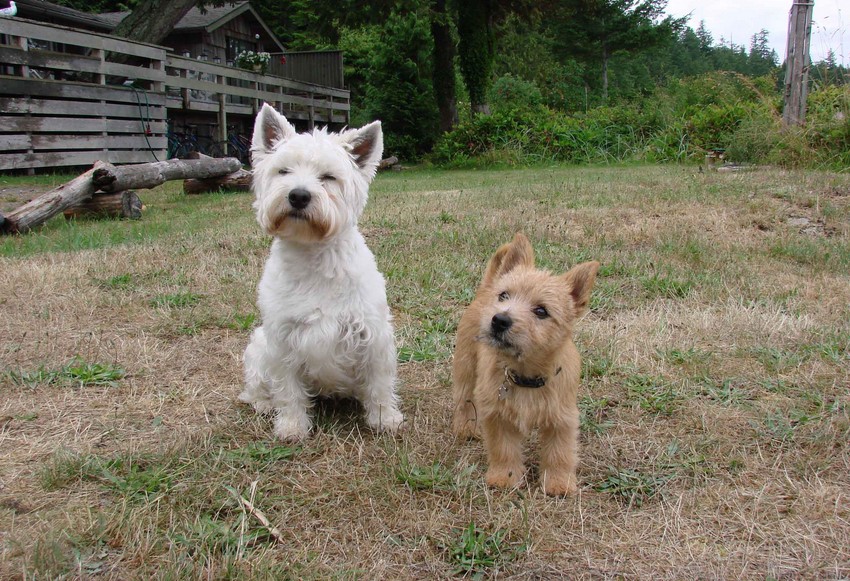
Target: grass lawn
x=715 y=403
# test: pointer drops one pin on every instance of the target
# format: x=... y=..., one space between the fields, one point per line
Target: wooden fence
x=69 y=97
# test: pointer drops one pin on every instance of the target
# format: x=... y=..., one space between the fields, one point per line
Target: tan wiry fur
x=537 y=344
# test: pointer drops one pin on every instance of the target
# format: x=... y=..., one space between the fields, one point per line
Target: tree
x=706 y=40
x=152 y=20
x=399 y=88
x=445 y=90
x=762 y=59
x=475 y=29
x=597 y=29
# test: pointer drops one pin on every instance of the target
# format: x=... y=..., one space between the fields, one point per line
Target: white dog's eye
x=503 y=296
x=283 y=172
x=540 y=312
x=328 y=178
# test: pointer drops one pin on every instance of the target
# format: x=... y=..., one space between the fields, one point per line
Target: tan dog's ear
x=580 y=280
x=517 y=252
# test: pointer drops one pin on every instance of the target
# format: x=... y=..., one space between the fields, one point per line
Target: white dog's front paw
x=292 y=427
x=261 y=403
x=385 y=420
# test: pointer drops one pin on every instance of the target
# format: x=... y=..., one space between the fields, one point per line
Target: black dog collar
x=523 y=381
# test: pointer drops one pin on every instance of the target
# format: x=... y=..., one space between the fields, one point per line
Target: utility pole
x=797 y=62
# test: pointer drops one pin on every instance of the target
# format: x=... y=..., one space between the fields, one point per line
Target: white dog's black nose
x=500 y=323
x=299 y=198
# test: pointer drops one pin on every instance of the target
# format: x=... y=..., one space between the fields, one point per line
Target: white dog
x=325 y=321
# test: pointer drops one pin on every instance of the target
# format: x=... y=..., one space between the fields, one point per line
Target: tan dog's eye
x=503 y=296
x=540 y=312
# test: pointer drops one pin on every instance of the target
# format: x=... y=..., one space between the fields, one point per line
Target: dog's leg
x=256 y=392
x=269 y=385
x=378 y=391
x=559 y=456
x=291 y=402
x=464 y=368
x=503 y=442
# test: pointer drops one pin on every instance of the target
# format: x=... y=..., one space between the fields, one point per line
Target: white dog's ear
x=366 y=146
x=270 y=129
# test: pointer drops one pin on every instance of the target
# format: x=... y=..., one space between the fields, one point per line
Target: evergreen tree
x=475 y=29
x=399 y=87
x=596 y=30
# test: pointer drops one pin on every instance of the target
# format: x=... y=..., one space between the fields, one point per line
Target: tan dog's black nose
x=501 y=322
x=299 y=198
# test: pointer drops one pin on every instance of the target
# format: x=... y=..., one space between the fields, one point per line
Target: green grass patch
x=478 y=553
x=77 y=373
x=632 y=487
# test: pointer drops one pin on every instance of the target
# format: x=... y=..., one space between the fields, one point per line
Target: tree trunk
x=124 y=204
x=44 y=207
x=110 y=178
x=152 y=20
x=239 y=181
x=605 y=58
x=107 y=177
x=444 y=66
x=475 y=29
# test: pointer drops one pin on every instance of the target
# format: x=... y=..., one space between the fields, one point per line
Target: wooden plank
x=13 y=142
x=134 y=72
x=49 y=60
x=78 y=158
x=263 y=95
x=76 y=142
x=70 y=90
x=21 y=105
x=75 y=125
x=87 y=39
x=182 y=63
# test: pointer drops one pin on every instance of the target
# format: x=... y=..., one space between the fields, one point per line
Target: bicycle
x=180 y=144
x=237 y=146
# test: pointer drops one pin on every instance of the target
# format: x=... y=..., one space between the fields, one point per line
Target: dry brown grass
x=715 y=400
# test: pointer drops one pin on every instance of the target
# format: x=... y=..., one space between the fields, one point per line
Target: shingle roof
x=194 y=19
x=47 y=10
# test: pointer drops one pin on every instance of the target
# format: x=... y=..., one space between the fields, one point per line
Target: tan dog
x=516 y=367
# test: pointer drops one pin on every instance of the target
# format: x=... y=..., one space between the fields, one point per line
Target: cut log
x=110 y=178
x=44 y=207
x=388 y=162
x=238 y=180
x=124 y=204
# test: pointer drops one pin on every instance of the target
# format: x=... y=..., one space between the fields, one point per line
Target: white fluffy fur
x=325 y=321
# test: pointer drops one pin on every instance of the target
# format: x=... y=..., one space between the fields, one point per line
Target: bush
x=677 y=123
x=510 y=92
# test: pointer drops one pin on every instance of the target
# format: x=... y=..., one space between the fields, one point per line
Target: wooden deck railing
x=65 y=101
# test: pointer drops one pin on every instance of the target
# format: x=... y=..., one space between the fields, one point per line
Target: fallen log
x=110 y=178
x=124 y=204
x=44 y=207
x=239 y=180
x=388 y=162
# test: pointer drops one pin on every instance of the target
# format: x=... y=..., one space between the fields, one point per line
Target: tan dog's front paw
x=559 y=484
x=465 y=423
x=504 y=477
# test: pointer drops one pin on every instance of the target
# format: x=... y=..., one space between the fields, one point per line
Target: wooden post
x=23 y=43
x=797 y=62
x=222 y=110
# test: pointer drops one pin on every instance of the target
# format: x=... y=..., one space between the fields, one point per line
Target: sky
x=738 y=20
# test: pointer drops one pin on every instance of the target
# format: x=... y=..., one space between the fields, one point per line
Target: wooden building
x=63 y=102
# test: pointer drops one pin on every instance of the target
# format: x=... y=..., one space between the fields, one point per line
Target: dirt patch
x=12 y=197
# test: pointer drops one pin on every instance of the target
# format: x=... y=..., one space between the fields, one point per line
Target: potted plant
x=253 y=61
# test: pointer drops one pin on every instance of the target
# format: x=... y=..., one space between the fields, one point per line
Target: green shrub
x=677 y=123
x=510 y=92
